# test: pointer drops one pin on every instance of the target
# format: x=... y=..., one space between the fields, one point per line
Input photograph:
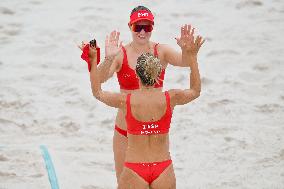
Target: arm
x=111 y=63
x=179 y=96
x=190 y=48
x=179 y=59
x=110 y=66
x=116 y=100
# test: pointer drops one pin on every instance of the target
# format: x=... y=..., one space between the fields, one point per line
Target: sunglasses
x=138 y=28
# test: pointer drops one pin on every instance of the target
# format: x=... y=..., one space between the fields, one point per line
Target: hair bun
x=148 y=68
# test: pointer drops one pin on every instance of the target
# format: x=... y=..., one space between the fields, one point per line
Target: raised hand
x=188 y=42
x=111 y=44
x=93 y=53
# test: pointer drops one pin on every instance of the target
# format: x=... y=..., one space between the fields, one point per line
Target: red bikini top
x=127 y=77
x=137 y=127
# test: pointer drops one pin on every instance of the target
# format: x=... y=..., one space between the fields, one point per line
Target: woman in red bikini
x=148 y=114
x=123 y=60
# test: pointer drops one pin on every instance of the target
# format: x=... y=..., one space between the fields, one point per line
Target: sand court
x=231 y=137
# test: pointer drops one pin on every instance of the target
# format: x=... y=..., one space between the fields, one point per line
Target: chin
x=142 y=41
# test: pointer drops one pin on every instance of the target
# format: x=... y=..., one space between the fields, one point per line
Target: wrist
x=193 y=65
x=93 y=61
x=193 y=60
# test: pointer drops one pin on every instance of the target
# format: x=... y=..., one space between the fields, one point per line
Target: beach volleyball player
x=122 y=60
x=148 y=114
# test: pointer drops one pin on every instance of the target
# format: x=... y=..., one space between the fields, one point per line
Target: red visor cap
x=141 y=15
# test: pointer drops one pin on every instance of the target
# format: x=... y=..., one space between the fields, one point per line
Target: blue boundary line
x=49 y=167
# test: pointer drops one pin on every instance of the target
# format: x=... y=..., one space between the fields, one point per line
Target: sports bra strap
x=124 y=50
x=168 y=101
x=128 y=106
x=125 y=60
x=156 y=50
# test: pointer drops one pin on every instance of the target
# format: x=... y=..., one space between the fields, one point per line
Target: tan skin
x=149 y=104
x=141 y=43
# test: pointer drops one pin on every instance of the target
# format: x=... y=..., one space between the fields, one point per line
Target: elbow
x=197 y=93
x=96 y=94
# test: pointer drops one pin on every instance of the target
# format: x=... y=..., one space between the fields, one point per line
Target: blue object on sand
x=49 y=167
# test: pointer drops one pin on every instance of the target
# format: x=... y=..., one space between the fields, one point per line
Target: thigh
x=119 y=149
x=130 y=180
x=166 y=180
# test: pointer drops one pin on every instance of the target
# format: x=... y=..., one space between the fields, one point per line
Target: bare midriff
x=120 y=117
x=148 y=148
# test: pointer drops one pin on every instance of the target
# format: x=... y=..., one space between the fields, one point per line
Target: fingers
x=117 y=36
x=187 y=35
x=113 y=38
x=182 y=31
x=188 y=39
x=192 y=32
x=187 y=29
x=199 y=42
x=178 y=41
x=120 y=45
x=83 y=44
x=202 y=42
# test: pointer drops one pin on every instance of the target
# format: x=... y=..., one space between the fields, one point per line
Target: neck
x=146 y=88
x=140 y=48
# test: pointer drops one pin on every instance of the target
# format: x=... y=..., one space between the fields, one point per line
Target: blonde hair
x=148 y=69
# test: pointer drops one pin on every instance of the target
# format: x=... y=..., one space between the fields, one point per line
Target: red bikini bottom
x=121 y=131
x=149 y=171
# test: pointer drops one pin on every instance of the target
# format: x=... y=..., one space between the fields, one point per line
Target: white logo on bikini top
x=142 y=14
x=151 y=126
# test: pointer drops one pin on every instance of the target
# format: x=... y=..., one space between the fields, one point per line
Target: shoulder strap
x=124 y=50
x=124 y=55
x=156 y=50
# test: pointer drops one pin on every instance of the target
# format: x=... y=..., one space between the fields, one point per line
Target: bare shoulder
x=164 y=48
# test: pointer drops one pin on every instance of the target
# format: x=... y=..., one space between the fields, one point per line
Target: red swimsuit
x=148 y=171
x=128 y=80
x=127 y=77
x=160 y=126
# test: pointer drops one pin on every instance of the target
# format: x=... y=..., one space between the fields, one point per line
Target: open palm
x=188 y=42
x=112 y=44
